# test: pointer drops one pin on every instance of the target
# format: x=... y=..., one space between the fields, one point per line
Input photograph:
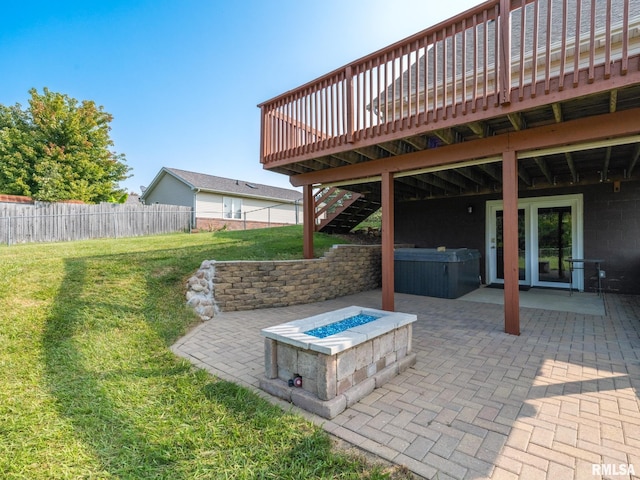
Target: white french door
x=550 y=231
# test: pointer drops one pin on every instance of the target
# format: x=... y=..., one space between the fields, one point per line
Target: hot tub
x=450 y=273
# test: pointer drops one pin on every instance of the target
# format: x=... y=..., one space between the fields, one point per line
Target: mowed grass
x=88 y=385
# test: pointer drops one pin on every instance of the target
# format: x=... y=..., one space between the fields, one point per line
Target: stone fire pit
x=359 y=350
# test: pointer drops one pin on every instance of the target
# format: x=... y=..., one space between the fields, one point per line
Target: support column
x=388 y=281
x=308 y=220
x=510 y=242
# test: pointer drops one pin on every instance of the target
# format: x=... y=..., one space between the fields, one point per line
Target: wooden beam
x=331 y=162
x=492 y=170
x=418 y=142
x=634 y=160
x=395 y=148
x=517 y=121
x=447 y=135
x=349 y=157
x=309 y=221
x=524 y=176
x=611 y=125
x=544 y=168
x=453 y=178
x=510 y=242
x=478 y=128
x=572 y=166
x=372 y=152
x=427 y=182
x=472 y=175
x=388 y=280
x=613 y=101
x=557 y=112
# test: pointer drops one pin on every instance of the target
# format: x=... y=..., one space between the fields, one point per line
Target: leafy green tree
x=59 y=149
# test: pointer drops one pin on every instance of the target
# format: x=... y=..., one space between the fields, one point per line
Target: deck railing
x=456 y=68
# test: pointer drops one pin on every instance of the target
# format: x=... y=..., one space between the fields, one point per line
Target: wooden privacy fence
x=57 y=222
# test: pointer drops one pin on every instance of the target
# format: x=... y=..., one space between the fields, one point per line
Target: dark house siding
x=612 y=232
x=442 y=222
x=611 y=228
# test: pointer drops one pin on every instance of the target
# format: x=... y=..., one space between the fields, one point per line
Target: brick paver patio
x=561 y=401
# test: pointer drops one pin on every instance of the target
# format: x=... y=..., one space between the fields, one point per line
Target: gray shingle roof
x=617 y=15
x=211 y=183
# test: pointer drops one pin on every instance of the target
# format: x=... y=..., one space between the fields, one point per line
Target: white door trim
x=531 y=206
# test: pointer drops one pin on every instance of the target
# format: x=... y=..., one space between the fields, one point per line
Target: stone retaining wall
x=248 y=285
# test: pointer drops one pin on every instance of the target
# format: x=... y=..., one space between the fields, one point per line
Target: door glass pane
x=521 y=246
x=554 y=244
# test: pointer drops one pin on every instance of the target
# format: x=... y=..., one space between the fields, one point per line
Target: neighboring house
x=5 y=198
x=219 y=202
x=511 y=128
x=133 y=198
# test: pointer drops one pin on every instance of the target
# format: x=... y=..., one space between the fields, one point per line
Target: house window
x=232 y=207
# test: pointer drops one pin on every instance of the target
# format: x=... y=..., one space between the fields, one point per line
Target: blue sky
x=183 y=78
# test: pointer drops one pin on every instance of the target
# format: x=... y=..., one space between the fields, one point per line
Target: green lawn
x=90 y=389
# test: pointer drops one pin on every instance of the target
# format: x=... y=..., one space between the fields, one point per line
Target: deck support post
x=388 y=281
x=510 y=242
x=308 y=220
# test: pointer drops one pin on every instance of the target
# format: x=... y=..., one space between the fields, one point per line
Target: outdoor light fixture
x=470 y=209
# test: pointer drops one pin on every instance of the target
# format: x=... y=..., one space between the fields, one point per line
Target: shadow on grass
x=77 y=381
x=139 y=411
x=307 y=454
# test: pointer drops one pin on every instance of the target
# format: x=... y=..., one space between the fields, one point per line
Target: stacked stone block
x=331 y=383
x=248 y=285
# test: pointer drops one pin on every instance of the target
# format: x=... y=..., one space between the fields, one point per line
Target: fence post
x=115 y=223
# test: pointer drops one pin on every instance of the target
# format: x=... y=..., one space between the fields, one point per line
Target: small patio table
x=596 y=261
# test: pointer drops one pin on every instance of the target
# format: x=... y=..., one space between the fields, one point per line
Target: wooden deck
x=463 y=80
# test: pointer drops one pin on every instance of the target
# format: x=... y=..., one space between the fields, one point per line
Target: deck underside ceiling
x=602 y=162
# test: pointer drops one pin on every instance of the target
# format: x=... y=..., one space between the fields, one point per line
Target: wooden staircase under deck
x=340 y=211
